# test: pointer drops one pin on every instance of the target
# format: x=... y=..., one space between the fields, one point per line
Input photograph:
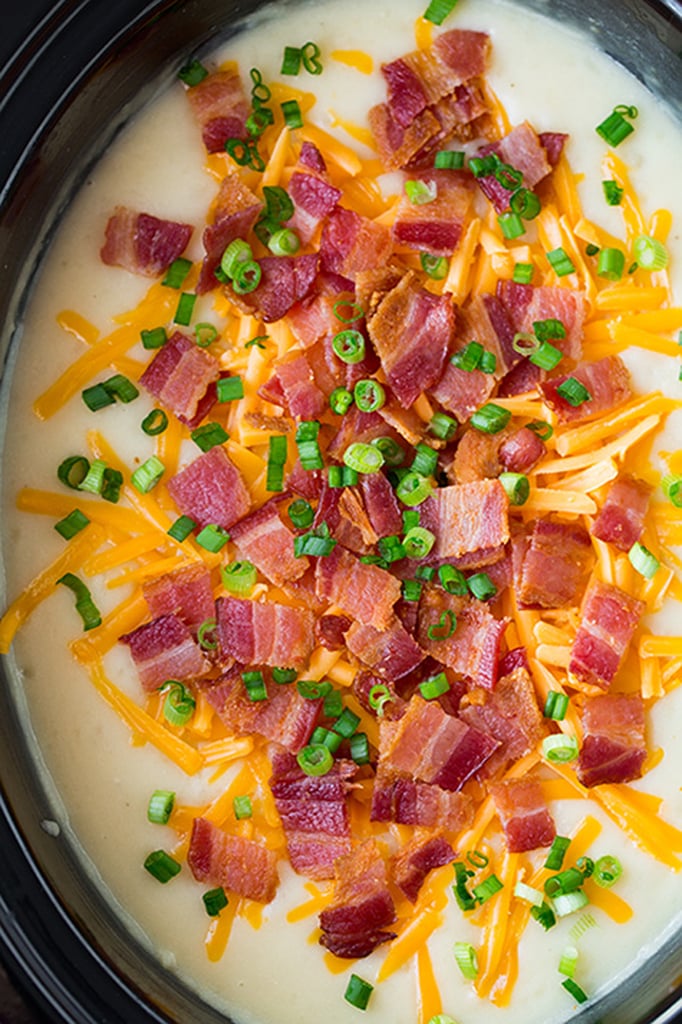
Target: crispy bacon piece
x=467 y=519
x=510 y=714
x=420 y=803
x=486 y=319
x=180 y=375
x=517 y=657
x=526 y=304
x=186 y=593
x=314 y=814
x=521 y=379
x=313 y=195
x=432 y=746
x=362 y=687
x=265 y=633
x=285 y=280
x=164 y=649
x=462 y=392
x=551 y=564
x=365 y=592
x=141 y=243
x=521 y=451
x=397 y=146
x=265 y=540
x=390 y=652
x=221 y=108
x=411 y=331
x=614 y=744
x=353 y=923
x=330 y=631
x=621 y=519
x=419 y=856
x=524 y=814
x=211 y=490
x=293 y=386
x=477 y=457
x=313 y=318
x=609 y=620
x=351 y=243
x=243 y=866
x=473 y=648
x=306 y=482
x=381 y=504
x=436 y=227
x=358 y=426
x=522 y=149
x=235 y=213
x=607 y=382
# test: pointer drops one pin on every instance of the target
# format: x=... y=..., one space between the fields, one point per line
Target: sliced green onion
x=177 y=272
x=212 y=538
x=94 y=478
x=560 y=748
x=283 y=676
x=260 y=92
x=257 y=342
x=229 y=389
x=206 y=635
x=356 y=312
x=301 y=513
x=482 y=166
x=568 y=961
x=392 y=452
x=239 y=577
x=349 y=345
x=112 y=482
x=614 y=129
x=310 y=689
x=420 y=192
x=181 y=528
x=438 y=10
x=284 y=242
x=547 y=356
x=184 y=309
x=541 y=428
x=292 y=114
x=611 y=263
x=332 y=704
x=162 y=866
x=363 y=458
x=560 y=262
x=568 y=902
x=72 y=524
x=411 y=590
x=326 y=738
x=316 y=542
x=642 y=561
x=586 y=865
x=154 y=338
x=507 y=176
x=435 y=266
x=315 y=759
x=525 y=343
x=544 y=915
x=650 y=253
x=525 y=203
x=209 y=435
x=672 y=488
x=511 y=225
x=311 y=53
x=247 y=277
x=453 y=580
x=146 y=477
x=517 y=487
x=358 y=992
x=291 y=61
x=369 y=395
x=309 y=453
x=529 y=894
x=557 y=852
x=277 y=457
x=359 y=748
x=413 y=489
x=477 y=859
x=160 y=806
x=607 y=870
x=154 y=423
x=465 y=957
x=215 y=900
x=242 y=807
x=574 y=392
x=556 y=705
x=85 y=606
x=346 y=724
x=449 y=159
x=254 y=684
x=391 y=549
x=490 y=418
x=434 y=687
x=340 y=401
x=443 y=426
x=378 y=696
x=97 y=397
x=613 y=193
x=192 y=73
x=481 y=586
x=205 y=334
x=245 y=154
x=487 y=888
x=488 y=363
x=425 y=461
x=591 y=250
x=444 y=628
x=468 y=357
x=418 y=542
x=341 y=476
x=575 y=990
x=179 y=704
x=523 y=273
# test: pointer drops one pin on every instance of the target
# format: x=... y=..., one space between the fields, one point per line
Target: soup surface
x=102 y=769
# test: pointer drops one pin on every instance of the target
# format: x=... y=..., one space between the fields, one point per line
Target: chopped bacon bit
x=359 y=426
x=352 y=925
x=185 y=592
x=477 y=456
x=467 y=519
x=473 y=649
x=521 y=451
x=314 y=198
x=430 y=745
x=462 y=392
x=416 y=859
x=522 y=149
x=510 y=713
x=313 y=318
x=285 y=280
x=211 y=490
x=517 y=657
x=352 y=243
x=164 y=649
x=524 y=814
x=235 y=213
x=330 y=631
x=381 y=504
x=614 y=744
x=391 y=652
x=221 y=108
x=398 y=146
x=525 y=304
x=180 y=375
x=365 y=592
x=243 y=866
x=486 y=319
x=141 y=243
x=293 y=387
x=314 y=814
x=267 y=633
x=362 y=687
x=436 y=227
x=306 y=482
x=419 y=803
x=551 y=564
x=521 y=379
x=553 y=144
x=609 y=620
x=265 y=540
x=621 y=519
x=607 y=382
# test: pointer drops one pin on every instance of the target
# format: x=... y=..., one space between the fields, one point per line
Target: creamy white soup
x=100 y=771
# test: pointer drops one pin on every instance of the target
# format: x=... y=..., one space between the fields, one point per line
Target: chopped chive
x=72 y=524
x=556 y=705
x=369 y=395
x=413 y=489
x=340 y=401
x=569 y=902
x=434 y=687
x=490 y=418
x=205 y=334
x=154 y=423
x=239 y=577
x=444 y=627
x=614 y=129
x=516 y=486
x=292 y=114
x=162 y=866
x=613 y=193
x=242 y=807
x=363 y=458
x=316 y=542
x=160 y=806
x=254 y=684
x=469 y=357
x=209 y=435
x=245 y=154
x=391 y=451
x=147 y=476
x=359 y=748
x=560 y=748
x=649 y=253
x=97 y=397
x=611 y=263
x=557 y=852
x=524 y=203
x=419 y=192
x=315 y=759
x=277 y=457
x=541 y=428
x=443 y=426
x=453 y=580
x=574 y=392
x=575 y=990
x=591 y=249
x=466 y=960
x=358 y=991
x=568 y=961
x=560 y=262
x=212 y=538
x=155 y=338
x=179 y=705
x=177 y=272
x=449 y=159
x=511 y=225
x=192 y=73
x=528 y=893
x=284 y=242
x=418 y=542
x=85 y=606
x=181 y=528
x=487 y=888
x=185 y=308
x=411 y=590
x=355 y=311
x=215 y=900
x=607 y=870
x=291 y=61
x=488 y=363
x=283 y=676
x=435 y=266
x=346 y=724
x=523 y=273
x=332 y=704
x=642 y=561
x=481 y=586
x=544 y=915
x=229 y=389
x=94 y=478
x=547 y=356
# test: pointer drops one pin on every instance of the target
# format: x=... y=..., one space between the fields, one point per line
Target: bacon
x=477 y=457
x=524 y=814
x=473 y=649
x=614 y=744
x=510 y=714
x=486 y=319
x=314 y=198
x=526 y=304
x=242 y=866
x=517 y=657
x=211 y=490
x=390 y=652
x=330 y=630
x=608 y=622
x=236 y=211
x=381 y=504
x=520 y=451
x=362 y=687
x=419 y=803
x=621 y=519
x=314 y=814
x=141 y=243
x=285 y=717
x=265 y=540
x=436 y=227
x=411 y=331
x=359 y=426
x=467 y=519
x=521 y=379
x=180 y=375
x=265 y=633
x=398 y=146
x=221 y=109
x=164 y=649
x=430 y=745
x=351 y=243
x=307 y=482
x=285 y=280
x=313 y=318
x=462 y=392
x=553 y=144
x=551 y=563
x=607 y=382
x=522 y=149
x=353 y=923
x=365 y=592
x=293 y=387
x=420 y=855
x=186 y=593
